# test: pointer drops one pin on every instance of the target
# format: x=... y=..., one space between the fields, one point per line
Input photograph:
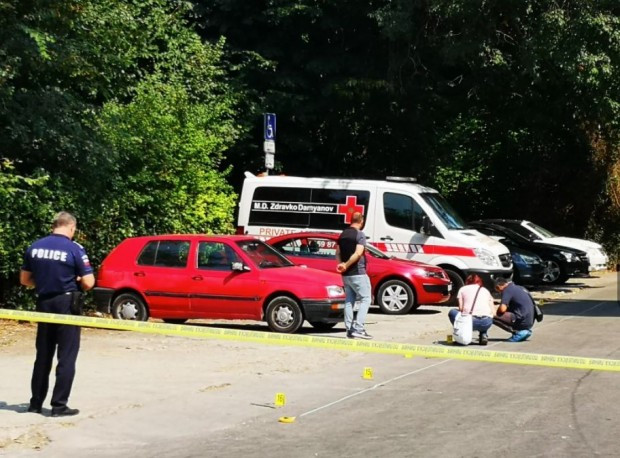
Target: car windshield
x=263 y=255
x=376 y=252
x=541 y=230
x=521 y=230
x=509 y=234
x=443 y=209
x=513 y=235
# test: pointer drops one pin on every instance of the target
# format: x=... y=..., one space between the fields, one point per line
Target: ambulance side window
x=337 y=203
x=402 y=211
x=276 y=206
x=316 y=208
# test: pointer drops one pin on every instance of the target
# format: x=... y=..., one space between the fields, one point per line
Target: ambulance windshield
x=443 y=210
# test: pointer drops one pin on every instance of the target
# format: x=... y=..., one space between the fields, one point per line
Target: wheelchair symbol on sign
x=270 y=126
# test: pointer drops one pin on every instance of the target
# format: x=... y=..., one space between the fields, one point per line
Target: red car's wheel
x=395 y=297
x=129 y=306
x=283 y=314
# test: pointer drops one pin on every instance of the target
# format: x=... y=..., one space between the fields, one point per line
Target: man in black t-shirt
x=516 y=312
x=352 y=266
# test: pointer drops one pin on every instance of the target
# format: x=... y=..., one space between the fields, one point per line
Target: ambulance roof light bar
x=402 y=179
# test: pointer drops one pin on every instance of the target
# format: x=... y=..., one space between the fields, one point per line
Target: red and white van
x=403 y=219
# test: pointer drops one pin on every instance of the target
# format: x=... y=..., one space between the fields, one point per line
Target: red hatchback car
x=398 y=285
x=180 y=277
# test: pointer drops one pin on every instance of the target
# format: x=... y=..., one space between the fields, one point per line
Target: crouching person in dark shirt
x=516 y=311
x=58 y=269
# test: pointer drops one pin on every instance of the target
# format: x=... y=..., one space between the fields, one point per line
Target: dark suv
x=560 y=262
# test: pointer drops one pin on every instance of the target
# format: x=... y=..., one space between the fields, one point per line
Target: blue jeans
x=356 y=287
x=480 y=324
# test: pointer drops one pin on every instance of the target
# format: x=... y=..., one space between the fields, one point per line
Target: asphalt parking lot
x=151 y=395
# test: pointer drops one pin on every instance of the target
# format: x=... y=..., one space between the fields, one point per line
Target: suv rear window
x=165 y=253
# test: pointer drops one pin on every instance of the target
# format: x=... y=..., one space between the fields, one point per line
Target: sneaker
x=484 y=339
x=361 y=334
x=64 y=412
x=349 y=334
x=520 y=336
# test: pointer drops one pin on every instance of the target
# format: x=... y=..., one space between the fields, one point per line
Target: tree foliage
x=508 y=107
x=125 y=111
x=167 y=151
x=138 y=116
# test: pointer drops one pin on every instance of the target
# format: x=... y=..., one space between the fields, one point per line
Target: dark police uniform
x=55 y=262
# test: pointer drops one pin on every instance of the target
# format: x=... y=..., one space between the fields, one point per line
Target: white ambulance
x=403 y=219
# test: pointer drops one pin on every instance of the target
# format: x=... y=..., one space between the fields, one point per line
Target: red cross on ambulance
x=349 y=208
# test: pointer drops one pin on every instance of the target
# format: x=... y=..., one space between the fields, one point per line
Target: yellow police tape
x=333 y=343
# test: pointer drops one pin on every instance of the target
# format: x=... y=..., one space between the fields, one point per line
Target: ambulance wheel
x=129 y=306
x=395 y=297
x=283 y=314
x=457 y=283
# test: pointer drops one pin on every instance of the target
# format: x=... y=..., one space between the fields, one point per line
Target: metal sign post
x=269 y=136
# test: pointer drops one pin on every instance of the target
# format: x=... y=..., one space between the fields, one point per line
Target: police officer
x=56 y=267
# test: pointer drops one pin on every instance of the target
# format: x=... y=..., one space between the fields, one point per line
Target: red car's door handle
x=197 y=277
x=139 y=274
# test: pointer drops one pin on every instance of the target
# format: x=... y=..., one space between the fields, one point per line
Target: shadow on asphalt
x=306 y=329
x=422 y=311
x=589 y=308
x=474 y=342
x=567 y=288
x=419 y=311
x=19 y=408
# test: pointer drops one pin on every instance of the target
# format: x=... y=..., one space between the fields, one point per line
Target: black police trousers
x=52 y=338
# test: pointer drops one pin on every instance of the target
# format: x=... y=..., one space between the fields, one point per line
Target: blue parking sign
x=270 y=126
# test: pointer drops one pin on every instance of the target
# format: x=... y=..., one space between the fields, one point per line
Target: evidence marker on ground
x=286 y=419
x=367 y=373
x=280 y=400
